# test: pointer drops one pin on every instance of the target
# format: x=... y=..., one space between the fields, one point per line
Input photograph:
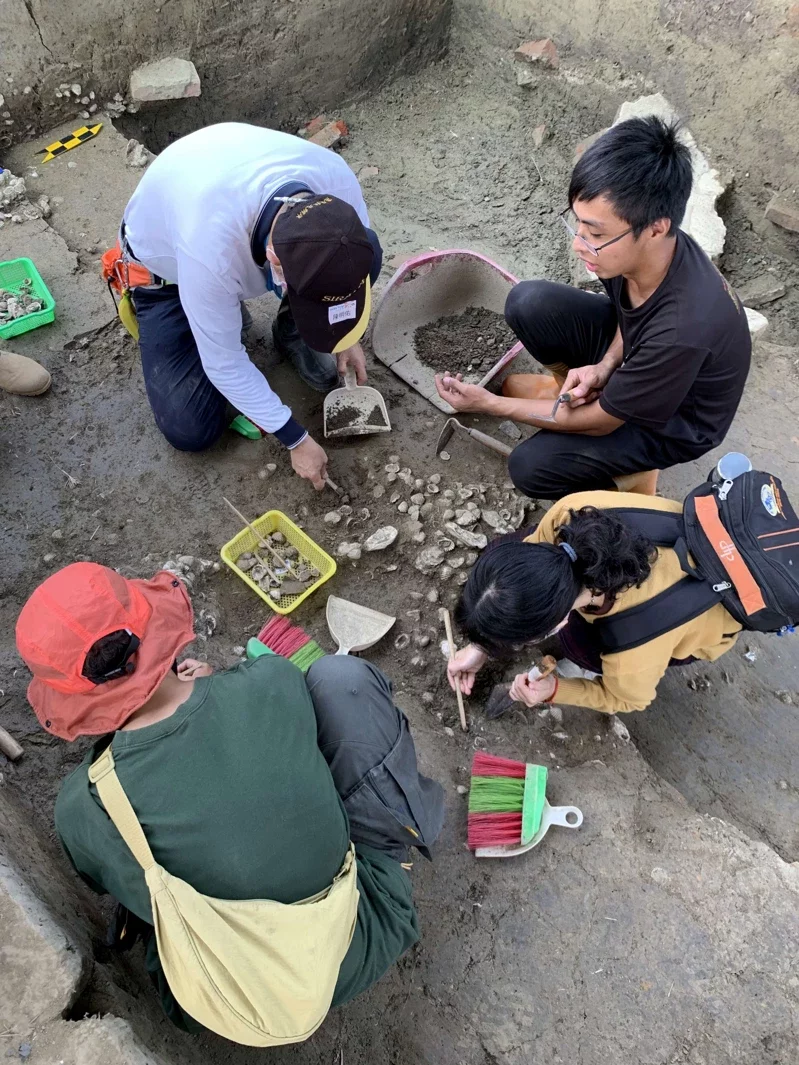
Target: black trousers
x=563 y=327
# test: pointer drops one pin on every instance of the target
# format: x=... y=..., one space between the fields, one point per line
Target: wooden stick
x=333 y=485
x=444 y=615
x=9 y=746
x=263 y=543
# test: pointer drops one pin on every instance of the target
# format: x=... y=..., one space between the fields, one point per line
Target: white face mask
x=278 y=277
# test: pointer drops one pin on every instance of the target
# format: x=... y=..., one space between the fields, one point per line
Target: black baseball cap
x=326 y=258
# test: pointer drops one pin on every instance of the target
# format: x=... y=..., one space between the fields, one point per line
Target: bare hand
x=585 y=383
x=461 y=396
x=464 y=667
x=309 y=460
x=192 y=668
x=355 y=358
x=532 y=692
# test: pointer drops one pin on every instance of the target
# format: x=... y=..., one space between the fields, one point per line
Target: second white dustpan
x=355 y=627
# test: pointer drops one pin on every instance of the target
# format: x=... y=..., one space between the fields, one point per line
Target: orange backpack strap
x=728 y=555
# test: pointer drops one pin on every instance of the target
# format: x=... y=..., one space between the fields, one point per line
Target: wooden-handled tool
x=263 y=543
x=452 y=424
x=444 y=615
x=9 y=746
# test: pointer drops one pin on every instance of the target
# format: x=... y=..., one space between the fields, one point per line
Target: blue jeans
x=188 y=409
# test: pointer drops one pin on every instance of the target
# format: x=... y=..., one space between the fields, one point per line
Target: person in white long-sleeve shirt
x=221 y=216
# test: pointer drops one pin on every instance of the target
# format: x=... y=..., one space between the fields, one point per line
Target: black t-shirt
x=686 y=354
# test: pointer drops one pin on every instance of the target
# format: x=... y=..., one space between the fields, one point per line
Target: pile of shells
x=278 y=568
x=18 y=304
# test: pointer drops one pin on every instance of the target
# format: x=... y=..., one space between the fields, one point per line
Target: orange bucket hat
x=72 y=610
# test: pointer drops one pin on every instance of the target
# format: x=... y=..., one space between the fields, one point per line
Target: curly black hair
x=518 y=592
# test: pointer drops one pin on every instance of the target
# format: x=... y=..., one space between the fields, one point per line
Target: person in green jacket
x=249 y=783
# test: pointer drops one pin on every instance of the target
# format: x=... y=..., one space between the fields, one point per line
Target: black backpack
x=744 y=539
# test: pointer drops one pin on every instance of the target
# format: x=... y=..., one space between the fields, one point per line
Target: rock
x=495 y=522
x=466 y=536
x=381 y=539
x=761 y=290
x=271 y=467
x=245 y=563
x=510 y=429
x=403 y=507
x=367 y=172
x=136 y=155
x=757 y=322
x=540 y=134
x=784 y=697
x=49 y=557
x=279 y=538
x=349 y=550
x=165 y=79
x=701 y=220
x=429 y=559
x=461 y=789
x=541 y=54
x=332 y=517
x=619 y=729
x=783 y=210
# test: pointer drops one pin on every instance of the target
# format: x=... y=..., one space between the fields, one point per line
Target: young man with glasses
x=655 y=368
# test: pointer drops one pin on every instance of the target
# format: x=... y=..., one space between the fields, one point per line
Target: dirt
x=470 y=343
x=510 y=955
x=347 y=415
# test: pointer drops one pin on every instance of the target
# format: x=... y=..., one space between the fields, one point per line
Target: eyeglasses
x=570 y=221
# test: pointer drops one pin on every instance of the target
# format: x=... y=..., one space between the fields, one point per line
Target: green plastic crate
x=12 y=274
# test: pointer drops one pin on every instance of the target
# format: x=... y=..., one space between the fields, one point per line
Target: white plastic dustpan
x=355 y=627
x=565 y=816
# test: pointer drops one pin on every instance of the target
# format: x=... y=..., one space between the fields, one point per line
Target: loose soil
x=346 y=415
x=469 y=343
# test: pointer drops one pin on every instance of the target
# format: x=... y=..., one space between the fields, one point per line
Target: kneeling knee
x=526 y=301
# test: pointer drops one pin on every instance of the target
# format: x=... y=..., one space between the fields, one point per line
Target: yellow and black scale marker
x=85 y=133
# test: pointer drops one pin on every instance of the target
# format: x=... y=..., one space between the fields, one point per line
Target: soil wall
x=274 y=61
x=731 y=67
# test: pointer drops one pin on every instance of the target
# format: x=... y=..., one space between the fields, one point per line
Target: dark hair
x=519 y=592
x=106 y=654
x=642 y=167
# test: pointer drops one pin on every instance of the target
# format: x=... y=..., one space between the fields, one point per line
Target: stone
x=761 y=290
x=381 y=539
x=540 y=53
x=165 y=79
x=403 y=507
x=783 y=210
x=757 y=322
x=510 y=429
x=466 y=537
x=428 y=559
x=540 y=134
x=701 y=220
x=245 y=563
x=347 y=549
x=526 y=75
x=136 y=155
x=367 y=172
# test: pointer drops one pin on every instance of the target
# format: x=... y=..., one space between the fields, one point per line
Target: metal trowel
x=355 y=410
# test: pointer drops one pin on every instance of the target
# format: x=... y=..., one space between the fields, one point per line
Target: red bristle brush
x=506 y=800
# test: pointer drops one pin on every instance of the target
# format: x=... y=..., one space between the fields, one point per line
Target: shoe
x=644 y=483
x=317 y=369
x=532 y=386
x=21 y=376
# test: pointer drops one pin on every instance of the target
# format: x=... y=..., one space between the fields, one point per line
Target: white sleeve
x=347 y=188
x=214 y=314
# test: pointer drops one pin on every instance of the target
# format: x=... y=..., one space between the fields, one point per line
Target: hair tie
x=569 y=551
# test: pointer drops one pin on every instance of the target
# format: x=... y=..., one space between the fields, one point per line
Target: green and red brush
x=280 y=637
x=508 y=809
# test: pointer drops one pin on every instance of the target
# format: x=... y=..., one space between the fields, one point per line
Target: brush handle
x=444 y=614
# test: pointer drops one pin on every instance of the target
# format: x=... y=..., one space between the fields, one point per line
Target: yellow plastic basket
x=276 y=521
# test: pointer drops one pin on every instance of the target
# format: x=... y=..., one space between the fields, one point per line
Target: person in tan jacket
x=581 y=563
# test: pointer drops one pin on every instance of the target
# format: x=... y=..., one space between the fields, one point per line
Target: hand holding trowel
x=500 y=700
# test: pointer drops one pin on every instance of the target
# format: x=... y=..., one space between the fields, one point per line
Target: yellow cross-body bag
x=258 y=972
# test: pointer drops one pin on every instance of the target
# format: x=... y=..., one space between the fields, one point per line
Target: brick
x=761 y=290
x=166 y=79
x=540 y=134
x=541 y=53
x=783 y=210
x=791 y=24
x=312 y=127
x=367 y=172
x=333 y=135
